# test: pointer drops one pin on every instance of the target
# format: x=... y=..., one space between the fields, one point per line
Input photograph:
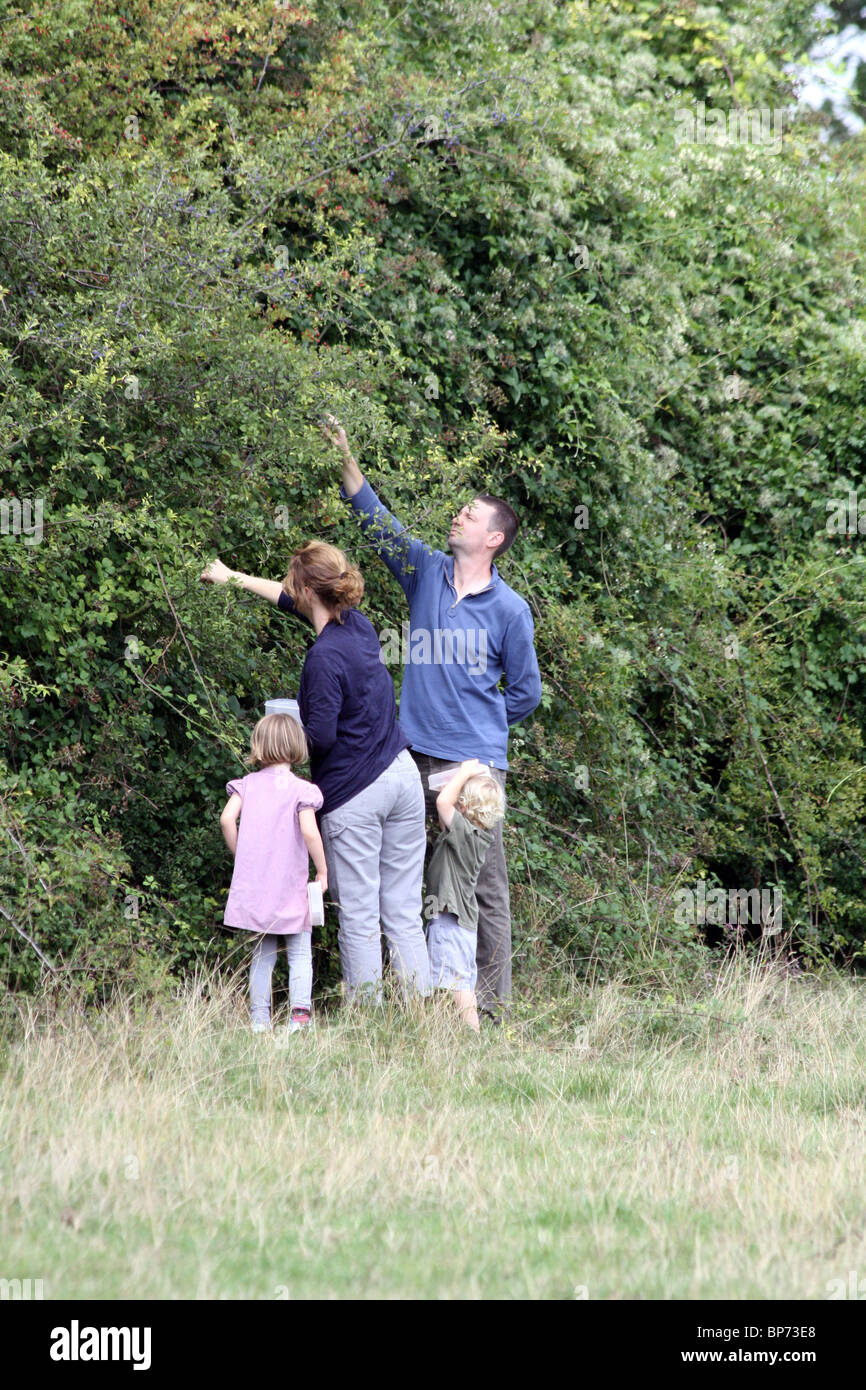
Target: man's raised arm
x=353 y=478
x=390 y=539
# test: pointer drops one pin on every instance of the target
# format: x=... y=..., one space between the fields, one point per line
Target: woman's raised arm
x=218 y=573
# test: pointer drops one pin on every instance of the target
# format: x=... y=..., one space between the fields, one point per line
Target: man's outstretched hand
x=353 y=478
x=335 y=434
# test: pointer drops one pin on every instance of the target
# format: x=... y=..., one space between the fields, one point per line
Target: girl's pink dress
x=272 y=864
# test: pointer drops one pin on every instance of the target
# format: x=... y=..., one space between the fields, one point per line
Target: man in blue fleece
x=467 y=631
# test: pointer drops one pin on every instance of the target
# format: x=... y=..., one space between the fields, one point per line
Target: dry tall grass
x=609 y=1143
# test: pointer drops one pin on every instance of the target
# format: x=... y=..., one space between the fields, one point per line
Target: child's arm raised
x=313 y=841
x=229 y=821
x=450 y=793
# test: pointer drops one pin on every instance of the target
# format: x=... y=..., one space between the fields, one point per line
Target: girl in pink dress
x=278 y=836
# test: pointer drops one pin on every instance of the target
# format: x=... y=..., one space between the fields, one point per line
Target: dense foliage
x=476 y=233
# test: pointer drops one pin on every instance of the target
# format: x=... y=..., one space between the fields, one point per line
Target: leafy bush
x=473 y=234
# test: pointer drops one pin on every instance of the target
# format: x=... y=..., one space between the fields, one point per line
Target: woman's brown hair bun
x=324 y=569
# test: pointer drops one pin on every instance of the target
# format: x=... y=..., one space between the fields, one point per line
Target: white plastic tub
x=317 y=904
x=284 y=706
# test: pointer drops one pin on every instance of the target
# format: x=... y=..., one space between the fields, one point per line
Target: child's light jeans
x=452 y=953
x=299 y=948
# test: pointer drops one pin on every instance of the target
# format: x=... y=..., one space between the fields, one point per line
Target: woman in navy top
x=372 y=818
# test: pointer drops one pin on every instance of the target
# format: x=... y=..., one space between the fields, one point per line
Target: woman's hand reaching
x=217 y=573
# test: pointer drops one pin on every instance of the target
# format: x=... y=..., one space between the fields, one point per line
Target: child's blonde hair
x=482 y=800
x=278 y=738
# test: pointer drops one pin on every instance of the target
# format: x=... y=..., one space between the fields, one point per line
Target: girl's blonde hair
x=328 y=573
x=482 y=800
x=278 y=738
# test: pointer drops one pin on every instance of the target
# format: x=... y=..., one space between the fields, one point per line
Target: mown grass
x=610 y=1142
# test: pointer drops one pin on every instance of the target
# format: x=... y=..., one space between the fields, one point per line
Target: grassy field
x=608 y=1143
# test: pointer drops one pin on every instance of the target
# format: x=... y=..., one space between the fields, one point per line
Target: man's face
x=472 y=530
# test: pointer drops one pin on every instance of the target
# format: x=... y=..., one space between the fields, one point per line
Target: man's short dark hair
x=504 y=519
